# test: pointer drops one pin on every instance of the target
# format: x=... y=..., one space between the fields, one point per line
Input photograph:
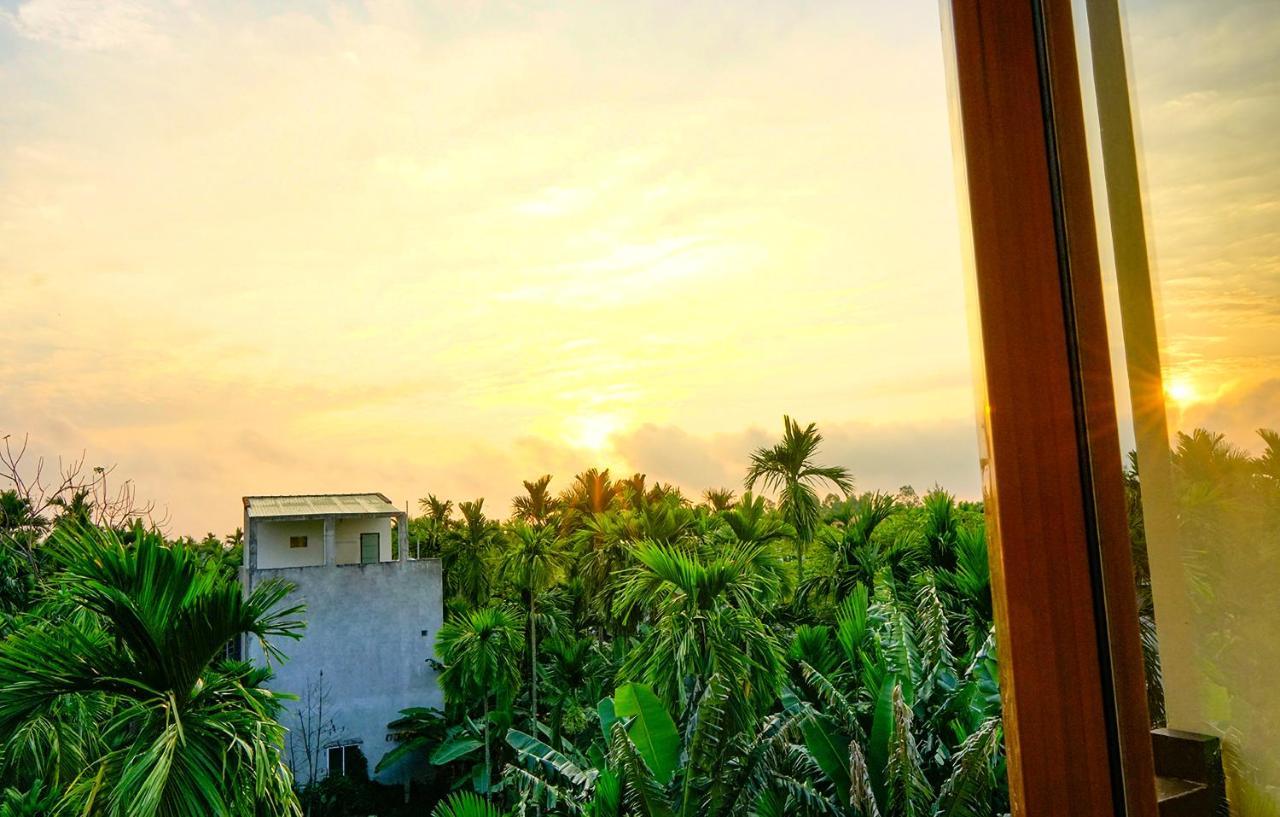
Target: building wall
x=370 y=630
x=273 y=540
x=273 y=543
x=348 y=538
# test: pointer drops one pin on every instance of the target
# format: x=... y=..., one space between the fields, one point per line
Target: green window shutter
x=368 y=548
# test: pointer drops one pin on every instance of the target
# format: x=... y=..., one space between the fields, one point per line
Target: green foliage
x=651 y=729
x=465 y=804
x=660 y=657
x=689 y=667
x=788 y=468
x=125 y=691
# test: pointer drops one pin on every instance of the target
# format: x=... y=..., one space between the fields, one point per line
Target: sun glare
x=1181 y=391
x=591 y=431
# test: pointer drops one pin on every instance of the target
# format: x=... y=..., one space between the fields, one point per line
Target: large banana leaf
x=651 y=729
x=607 y=717
x=454 y=748
x=831 y=751
x=549 y=760
x=881 y=735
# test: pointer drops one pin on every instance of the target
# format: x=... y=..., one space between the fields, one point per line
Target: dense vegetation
x=619 y=648
x=614 y=648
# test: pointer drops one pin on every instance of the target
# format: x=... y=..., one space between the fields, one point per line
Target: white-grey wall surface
x=273 y=542
x=347 y=535
x=370 y=629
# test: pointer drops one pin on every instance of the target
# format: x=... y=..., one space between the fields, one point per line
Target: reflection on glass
x=1197 y=296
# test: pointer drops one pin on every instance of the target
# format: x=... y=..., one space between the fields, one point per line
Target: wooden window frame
x=294 y=539
x=1076 y=724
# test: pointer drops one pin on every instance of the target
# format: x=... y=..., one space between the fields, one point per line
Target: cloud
x=87 y=25
x=1238 y=414
x=669 y=454
x=880 y=456
x=417 y=248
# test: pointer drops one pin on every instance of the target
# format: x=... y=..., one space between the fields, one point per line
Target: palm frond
x=968 y=790
x=908 y=791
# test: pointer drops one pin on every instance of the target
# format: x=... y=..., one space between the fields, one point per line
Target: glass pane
x=1194 y=247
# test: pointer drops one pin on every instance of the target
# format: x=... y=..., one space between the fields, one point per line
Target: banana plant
x=894 y=728
x=651 y=765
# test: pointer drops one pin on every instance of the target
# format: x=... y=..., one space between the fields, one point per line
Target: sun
x=1181 y=391
x=591 y=431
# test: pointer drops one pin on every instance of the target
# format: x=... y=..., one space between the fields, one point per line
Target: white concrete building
x=371 y=623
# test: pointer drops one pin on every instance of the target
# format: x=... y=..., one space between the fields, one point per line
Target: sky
x=442 y=247
x=279 y=248
x=1206 y=87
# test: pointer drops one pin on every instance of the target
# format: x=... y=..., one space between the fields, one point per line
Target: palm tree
x=465 y=804
x=941 y=527
x=857 y=557
x=439 y=510
x=752 y=522
x=593 y=492
x=1269 y=460
x=467 y=552
x=76 y=509
x=634 y=490
x=479 y=652
x=719 y=499
x=427 y=533
x=577 y=673
x=705 y=617
x=788 y=468
x=538 y=503
x=532 y=563
x=183 y=732
x=21 y=524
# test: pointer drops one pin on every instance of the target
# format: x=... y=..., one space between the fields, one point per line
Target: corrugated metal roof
x=317 y=505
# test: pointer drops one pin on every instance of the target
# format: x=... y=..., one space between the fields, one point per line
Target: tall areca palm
x=857 y=556
x=593 y=492
x=533 y=561
x=75 y=508
x=537 y=504
x=705 y=618
x=467 y=552
x=434 y=525
x=479 y=653
x=789 y=469
x=719 y=499
x=183 y=732
x=752 y=522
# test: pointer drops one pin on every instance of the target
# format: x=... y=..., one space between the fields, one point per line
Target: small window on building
x=369 y=546
x=348 y=760
x=297 y=541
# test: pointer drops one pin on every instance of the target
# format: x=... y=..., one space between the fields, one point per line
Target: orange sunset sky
x=286 y=247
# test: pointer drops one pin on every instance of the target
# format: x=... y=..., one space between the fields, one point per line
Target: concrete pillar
x=330 y=540
x=250 y=543
x=402 y=535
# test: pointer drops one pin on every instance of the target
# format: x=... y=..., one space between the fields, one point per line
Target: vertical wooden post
x=1049 y=429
